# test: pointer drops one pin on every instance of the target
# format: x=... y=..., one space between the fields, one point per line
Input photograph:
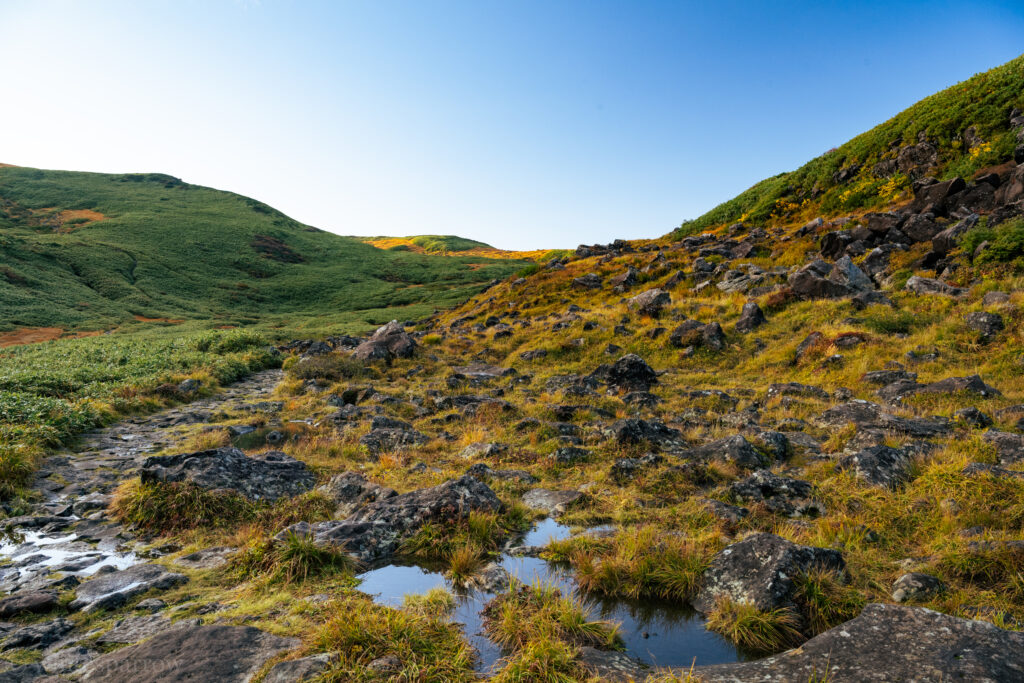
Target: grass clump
x=179 y=506
x=640 y=564
x=757 y=630
x=292 y=559
x=540 y=630
x=426 y=646
x=825 y=600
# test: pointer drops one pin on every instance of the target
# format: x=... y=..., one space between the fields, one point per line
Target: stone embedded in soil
x=266 y=476
x=66 y=660
x=27 y=602
x=227 y=654
x=889 y=643
x=133 y=629
x=781 y=495
x=377 y=529
x=733 y=449
x=388 y=342
x=759 y=570
x=554 y=503
x=880 y=465
x=867 y=415
x=111 y=590
x=298 y=670
x=207 y=558
x=1009 y=447
x=351 y=490
x=38 y=636
x=916 y=586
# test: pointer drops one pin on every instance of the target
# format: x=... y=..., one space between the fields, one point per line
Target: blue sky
x=523 y=124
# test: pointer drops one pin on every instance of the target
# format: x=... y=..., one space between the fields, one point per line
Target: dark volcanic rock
x=266 y=476
x=650 y=302
x=987 y=324
x=27 y=602
x=389 y=341
x=735 y=449
x=867 y=415
x=107 y=591
x=781 y=495
x=390 y=439
x=698 y=335
x=750 y=318
x=377 y=529
x=637 y=431
x=890 y=643
x=626 y=469
x=760 y=571
x=631 y=373
x=1009 y=447
x=351 y=490
x=199 y=653
x=819 y=280
x=880 y=465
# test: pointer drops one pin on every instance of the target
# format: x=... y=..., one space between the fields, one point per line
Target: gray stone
x=133 y=629
x=1009 y=447
x=880 y=465
x=108 y=591
x=207 y=558
x=227 y=654
x=781 y=495
x=68 y=659
x=889 y=643
x=266 y=476
x=552 y=502
x=351 y=490
x=27 y=602
x=388 y=342
x=38 y=636
x=924 y=285
x=298 y=670
x=916 y=586
x=751 y=317
x=650 y=302
x=760 y=571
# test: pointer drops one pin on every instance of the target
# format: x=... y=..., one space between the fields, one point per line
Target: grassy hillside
x=97 y=251
x=967 y=126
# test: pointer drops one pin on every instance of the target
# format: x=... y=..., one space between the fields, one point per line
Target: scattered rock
x=631 y=373
x=27 y=602
x=650 y=302
x=298 y=670
x=880 y=465
x=267 y=476
x=987 y=324
x=1009 y=447
x=351 y=490
x=751 y=318
x=554 y=503
x=388 y=342
x=108 y=591
x=781 y=495
x=731 y=449
x=38 y=636
x=915 y=587
x=924 y=285
x=759 y=571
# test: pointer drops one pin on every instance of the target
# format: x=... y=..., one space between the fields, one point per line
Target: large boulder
x=108 y=591
x=388 y=342
x=879 y=465
x=377 y=529
x=650 y=302
x=751 y=318
x=760 y=570
x=889 y=643
x=266 y=476
x=215 y=652
x=819 y=280
x=631 y=373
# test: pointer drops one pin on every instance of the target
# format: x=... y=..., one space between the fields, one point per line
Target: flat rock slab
x=27 y=602
x=112 y=590
x=133 y=629
x=266 y=476
x=890 y=643
x=226 y=654
x=550 y=501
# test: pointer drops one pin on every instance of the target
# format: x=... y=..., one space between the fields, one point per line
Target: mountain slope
x=91 y=250
x=955 y=132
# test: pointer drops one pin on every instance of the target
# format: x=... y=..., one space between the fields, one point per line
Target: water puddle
x=32 y=554
x=658 y=633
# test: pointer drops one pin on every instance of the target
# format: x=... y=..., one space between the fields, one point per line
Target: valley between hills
x=784 y=442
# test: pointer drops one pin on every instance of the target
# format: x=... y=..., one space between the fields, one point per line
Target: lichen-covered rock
x=781 y=495
x=351 y=490
x=650 y=302
x=550 y=501
x=916 y=586
x=760 y=571
x=388 y=342
x=634 y=430
x=751 y=317
x=266 y=476
x=386 y=439
x=631 y=373
x=377 y=529
x=732 y=449
x=889 y=643
x=880 y=465
x=866 y=416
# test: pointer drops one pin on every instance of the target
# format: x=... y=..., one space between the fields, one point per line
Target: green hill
x=96 y=251
x=955 y=132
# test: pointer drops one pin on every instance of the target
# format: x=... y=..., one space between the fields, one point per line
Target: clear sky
x=525 y=124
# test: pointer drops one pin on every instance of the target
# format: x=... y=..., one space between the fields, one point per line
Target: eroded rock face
x=388 y=342
x=760 y=570
x=197 y=653
x=267 y=476
x=377 y=529
x=890 y=643
x=108 y=591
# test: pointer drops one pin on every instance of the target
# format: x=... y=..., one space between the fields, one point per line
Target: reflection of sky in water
x=58 y=550
x=658 y=633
